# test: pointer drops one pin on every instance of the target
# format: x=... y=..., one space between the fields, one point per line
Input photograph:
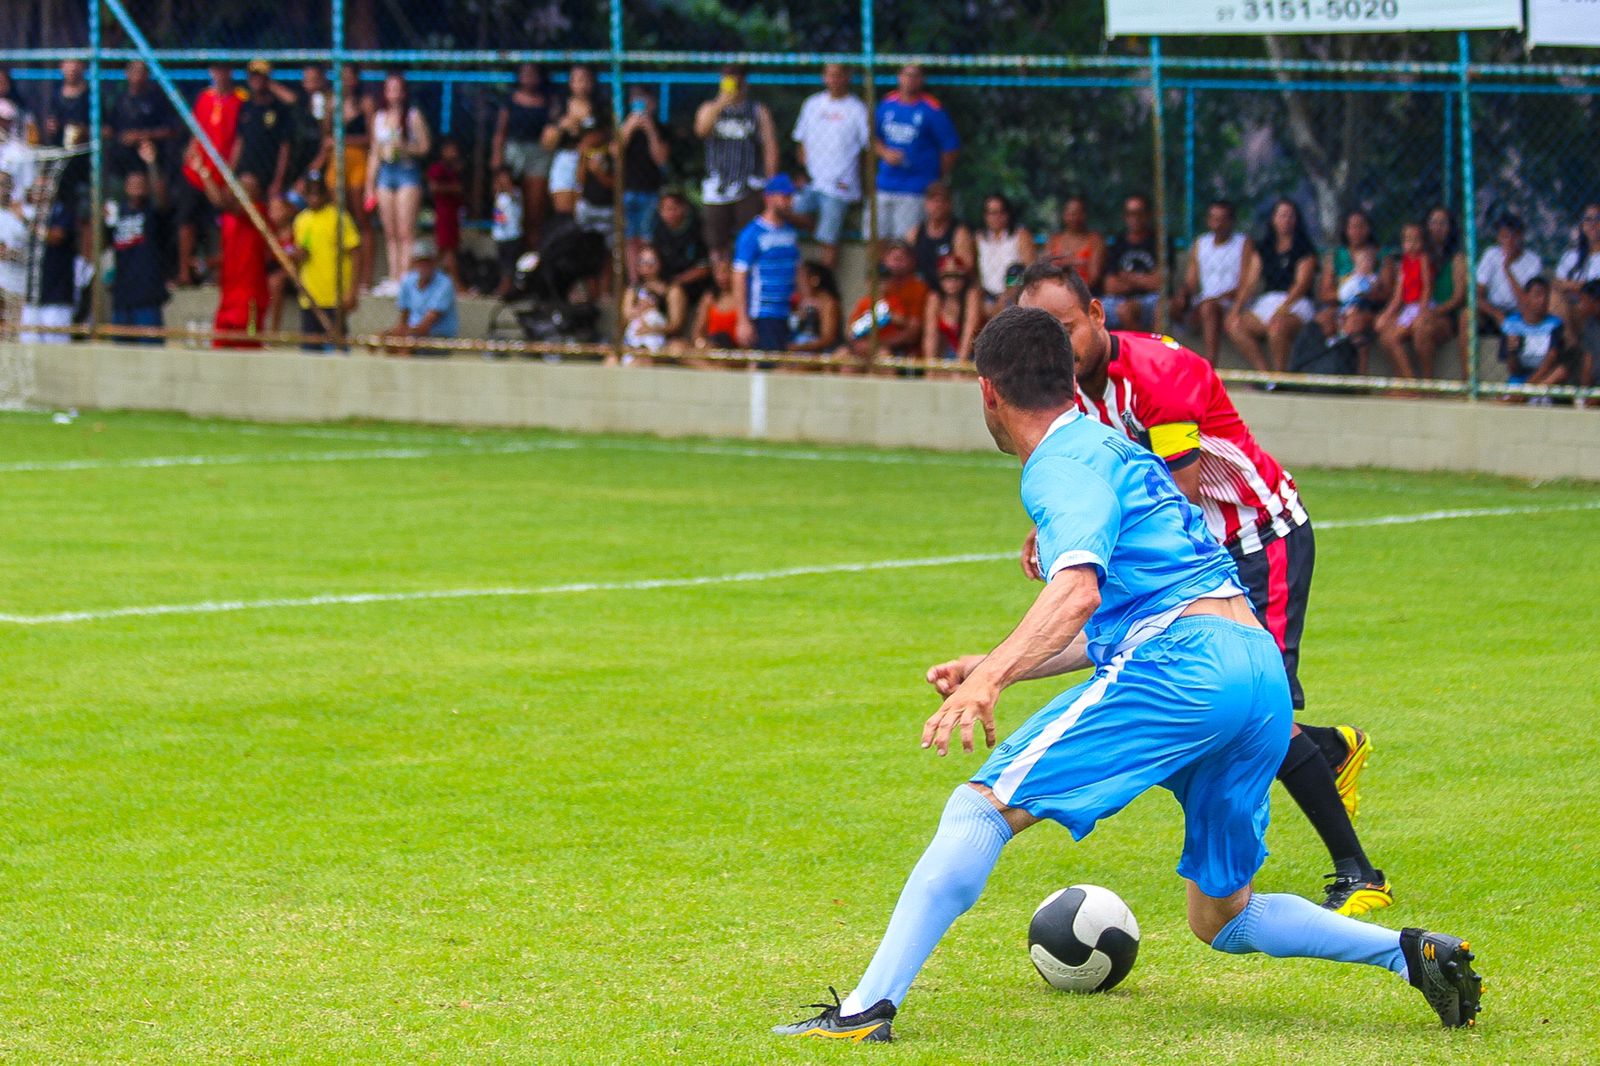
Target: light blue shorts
x=639 y=214
x=1147 y=304
x=1202 y=710
x=829 y=212
x=397 y=176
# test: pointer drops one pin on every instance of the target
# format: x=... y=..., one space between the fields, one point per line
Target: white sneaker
x=386 y=287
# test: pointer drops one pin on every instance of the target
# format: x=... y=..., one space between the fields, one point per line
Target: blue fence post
x=1188 y=166
x=97 y=288
x=619 y=252
x=1469 y=215
x=1447 y=175
x=1158 y=131
x=338 y=192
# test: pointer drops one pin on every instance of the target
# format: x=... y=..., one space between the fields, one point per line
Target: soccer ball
x=1083 y=939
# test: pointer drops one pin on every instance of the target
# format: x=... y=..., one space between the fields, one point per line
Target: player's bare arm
x=1051 y=624
x=947 y=677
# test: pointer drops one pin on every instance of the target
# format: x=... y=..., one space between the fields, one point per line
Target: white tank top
x=995 y=256
x=1220 y=264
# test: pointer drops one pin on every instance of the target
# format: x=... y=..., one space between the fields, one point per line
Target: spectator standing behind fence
x=53 y=297
x=561 y=138
x=680 y=245
x=24 y=123
x=216 y=112
x=1212 y=277
x=814 y=323
x=13 y=248
x=243 y=294
x=1408 y=300
x=280 y=220
x=518 y=144
x=939 y=235
x=1442 y=319
x=916 y=145
x=265 y=127
x=324 y=237
x=900 y=311
x=135 y=225
x=425 y=302
x=310 y=107
x=16 y=158
x=1133 y=276
x=644 y=160
x=400 y=141
x=1579 y=264
x=66 y=123
x=505 y=228
x=597 y=179
x=741 y=153
x=357 y=119
x=1503 y=270
x=447 y=185
x=140 y=115
x=765 y=259
x=831 y=134
x=1002 y=245
x=952 y=314
x=1284 y=262
x=1076 y=245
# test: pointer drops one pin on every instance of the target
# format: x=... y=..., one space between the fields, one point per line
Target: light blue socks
x=1286 y=926
x=946 y=882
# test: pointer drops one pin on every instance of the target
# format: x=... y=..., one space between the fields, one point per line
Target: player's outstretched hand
x=965 y=707
x=947 y=677
x=1030 y=556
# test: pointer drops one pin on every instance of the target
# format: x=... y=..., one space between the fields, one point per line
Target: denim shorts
x=829 y=212
x=639 y=214
x=397 y=176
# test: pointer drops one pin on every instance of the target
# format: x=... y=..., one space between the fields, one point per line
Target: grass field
x=640 y=823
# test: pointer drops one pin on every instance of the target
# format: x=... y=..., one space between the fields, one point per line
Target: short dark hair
x=1027 y=356
x=1227 y=205
x=1511 y=221
x=1538 y=281
x=1591 y=289
x=1043 y=271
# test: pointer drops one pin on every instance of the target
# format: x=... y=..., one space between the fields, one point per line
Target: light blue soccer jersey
x=1099 y=499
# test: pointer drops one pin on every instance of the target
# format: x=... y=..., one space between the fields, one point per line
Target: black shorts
x=190 y=206
x=1278 y=578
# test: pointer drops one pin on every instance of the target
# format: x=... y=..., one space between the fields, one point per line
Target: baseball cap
x=258 y=66
x=780 y=185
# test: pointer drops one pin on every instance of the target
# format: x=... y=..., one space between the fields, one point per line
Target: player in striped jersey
x=1169 y=399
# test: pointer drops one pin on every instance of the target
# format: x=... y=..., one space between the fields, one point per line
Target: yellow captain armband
x=1174 y=438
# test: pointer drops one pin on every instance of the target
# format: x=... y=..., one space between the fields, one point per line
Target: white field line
x=737 y=578
x=156 y=462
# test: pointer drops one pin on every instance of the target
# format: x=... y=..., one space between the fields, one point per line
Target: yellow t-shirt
x=316 y=233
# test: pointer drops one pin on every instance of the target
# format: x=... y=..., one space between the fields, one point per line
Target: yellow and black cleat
x=871 y=1026
x=1358 y=746
x=1440 y=967
x=1355 y=896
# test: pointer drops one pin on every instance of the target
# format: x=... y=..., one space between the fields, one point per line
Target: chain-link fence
x=581 y=175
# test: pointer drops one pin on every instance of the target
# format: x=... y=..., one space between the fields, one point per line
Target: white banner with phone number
x=1564 y=22
x=1176 y=17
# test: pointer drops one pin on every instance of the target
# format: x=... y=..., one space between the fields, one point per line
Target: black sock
x=1334 y=749
x=1309 y=780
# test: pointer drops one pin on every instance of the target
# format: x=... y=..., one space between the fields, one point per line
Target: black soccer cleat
x=1440 y=967
x=1355 y=896
x=871 y=1026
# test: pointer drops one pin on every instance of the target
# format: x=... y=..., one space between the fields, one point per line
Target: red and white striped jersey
x=1170 y=400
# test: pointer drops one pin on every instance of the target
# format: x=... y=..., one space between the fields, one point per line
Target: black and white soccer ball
x=1083 y=939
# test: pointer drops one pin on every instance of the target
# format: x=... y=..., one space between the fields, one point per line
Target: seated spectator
x=1530 y=334
x=447 y=184
x=505 y=228
x=1133 y=275
x=518 y=136
x=1076 y=245
x=716 y=317
x=1441 y=320
x=654 y=311
x=1352 y=284
x=140 y=115
x=243 y=295
x=900 y=311
x=741 y=154
x=765 y=259
x=814 y=324
x=1503 y=270
x=597 y=180
x=55 y=294
x=1398 y=322
x=952 y=314
x=1579 y=264
x=939 y=234
x=831 y=134
x=644 y=160
x=135 y=226
x=1212 y=278
x=325 y=238
x=681 y=248
x=13 y=250
x=1571 y=360
x=916 y=144
x=426 y=303
x=1284 y=262
x=1002 y=245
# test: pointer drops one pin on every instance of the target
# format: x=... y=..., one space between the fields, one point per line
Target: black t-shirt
x=136 y=240
x=595 y=193
x=1277 y=268
x=147 y=110
x=56 y=281
x=69 y=111
x=639 y=170
x=262 y=129
x=679 y=250
x=1126 y=256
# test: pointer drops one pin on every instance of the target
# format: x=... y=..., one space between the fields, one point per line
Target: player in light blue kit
x=1188 y=692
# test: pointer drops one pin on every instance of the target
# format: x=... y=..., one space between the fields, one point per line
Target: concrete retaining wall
x=1303 y=430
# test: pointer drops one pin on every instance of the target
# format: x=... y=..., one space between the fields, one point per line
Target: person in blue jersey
x=1188 y=692
x=766 y=258
x=916 y=145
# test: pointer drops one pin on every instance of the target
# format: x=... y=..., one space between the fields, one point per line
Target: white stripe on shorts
x=1012 y=776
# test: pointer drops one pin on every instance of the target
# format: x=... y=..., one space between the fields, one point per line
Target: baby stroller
x=539 y=304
